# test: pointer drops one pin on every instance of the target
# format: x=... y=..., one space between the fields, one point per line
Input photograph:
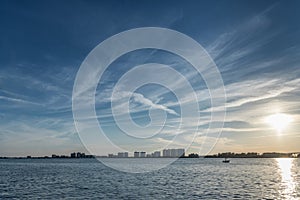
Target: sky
x=255 y=45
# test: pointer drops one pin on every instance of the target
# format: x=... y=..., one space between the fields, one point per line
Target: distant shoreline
x=255 y=155
x=204 y=157
x=192 y=155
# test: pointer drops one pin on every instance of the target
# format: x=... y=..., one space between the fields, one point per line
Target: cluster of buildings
x=119 y=155
x=171 y=153
x=80 y=155
x=72 y=155
x=167 y=153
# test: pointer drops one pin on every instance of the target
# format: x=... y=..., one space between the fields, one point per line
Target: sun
x=279 y=121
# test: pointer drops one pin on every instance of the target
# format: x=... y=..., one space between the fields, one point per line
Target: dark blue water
x=184 y=179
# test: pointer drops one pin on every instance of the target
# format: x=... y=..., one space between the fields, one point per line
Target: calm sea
x=184 y=179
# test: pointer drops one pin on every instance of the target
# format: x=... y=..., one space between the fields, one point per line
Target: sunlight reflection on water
x=288 y=184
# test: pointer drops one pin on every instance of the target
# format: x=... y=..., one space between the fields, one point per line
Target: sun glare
x=279 y=121
x=287 y=181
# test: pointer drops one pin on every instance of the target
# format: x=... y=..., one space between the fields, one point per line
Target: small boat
x=226 y=161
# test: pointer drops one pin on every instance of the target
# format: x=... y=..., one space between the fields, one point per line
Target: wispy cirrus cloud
x=16 y=100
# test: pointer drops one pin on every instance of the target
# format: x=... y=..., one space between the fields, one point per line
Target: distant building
x=136 y=154
x=82 y=155
x=173 y=153
x=120 y=155
x=166 y=153
x=110 y=155
x=123 y=155
x=156 y=154
x=73 y=155
x=180 y=153
x=143 y=154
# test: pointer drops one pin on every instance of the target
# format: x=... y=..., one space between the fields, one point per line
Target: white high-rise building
x=173 y=153
x=167 y=153
x=180 y=152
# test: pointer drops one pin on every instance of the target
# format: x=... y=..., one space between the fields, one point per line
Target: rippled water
x=184 y=179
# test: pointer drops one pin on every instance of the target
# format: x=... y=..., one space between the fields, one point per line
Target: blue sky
x=255 y=44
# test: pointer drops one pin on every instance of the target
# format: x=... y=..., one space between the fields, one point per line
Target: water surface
x=184 y=179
